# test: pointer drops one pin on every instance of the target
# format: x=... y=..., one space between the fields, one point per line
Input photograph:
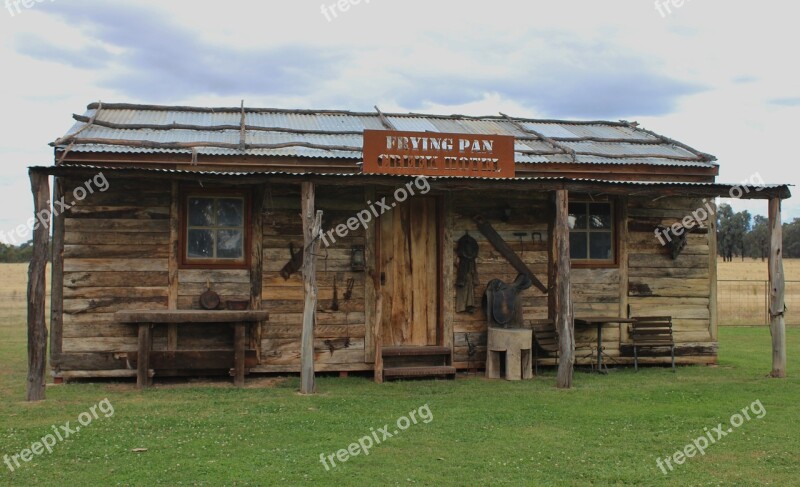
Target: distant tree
x=11 y=254
x=757 y=240
x=791 y=239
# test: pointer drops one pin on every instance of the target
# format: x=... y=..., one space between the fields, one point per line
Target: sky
x=719 y=76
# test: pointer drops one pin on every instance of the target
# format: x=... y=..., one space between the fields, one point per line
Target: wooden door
x=409 y=266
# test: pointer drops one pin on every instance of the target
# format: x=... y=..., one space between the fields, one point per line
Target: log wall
x=117 y=248
x=340 y=335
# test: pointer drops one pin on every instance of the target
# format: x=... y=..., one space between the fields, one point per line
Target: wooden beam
x=777 y=326
x=563 y=298
x=377 y=331
x=57 y=280
x=711 y=223
x=311 y=229
x=507 y=252
x=144 y=347
x=370 y=288
x=174 y=255
x=256 y=262
x=37 y=328
x=622 y=256
x=447 y=294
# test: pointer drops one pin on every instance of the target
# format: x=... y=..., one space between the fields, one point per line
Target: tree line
x=740 y=234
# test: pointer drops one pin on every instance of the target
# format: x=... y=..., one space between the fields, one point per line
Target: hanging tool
x=348 y=293
x=335 y=300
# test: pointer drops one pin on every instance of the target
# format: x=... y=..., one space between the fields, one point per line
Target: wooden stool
x=516 y=343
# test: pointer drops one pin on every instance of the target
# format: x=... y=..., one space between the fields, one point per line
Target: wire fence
x=741 y=303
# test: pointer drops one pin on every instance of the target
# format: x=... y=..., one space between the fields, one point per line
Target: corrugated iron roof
x=755 y=191
x=338 y=134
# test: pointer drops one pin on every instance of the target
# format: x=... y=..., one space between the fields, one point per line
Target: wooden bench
x=147 y=319
x=653 y=332
x=545 y=339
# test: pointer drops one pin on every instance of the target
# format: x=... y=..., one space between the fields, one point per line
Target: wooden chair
x=545 y=340
x=653 y=332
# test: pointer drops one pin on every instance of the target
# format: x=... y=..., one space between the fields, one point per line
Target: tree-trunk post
x=311 y=230
x=777 y=326
x=562 y=299
x=37 y=328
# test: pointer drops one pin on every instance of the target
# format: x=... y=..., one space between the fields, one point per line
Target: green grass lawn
x=608 y=430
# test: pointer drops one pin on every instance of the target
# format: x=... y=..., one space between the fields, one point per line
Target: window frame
x=613 y=262
x=186 y=262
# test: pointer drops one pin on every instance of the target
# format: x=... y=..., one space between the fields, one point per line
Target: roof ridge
x=307 y=111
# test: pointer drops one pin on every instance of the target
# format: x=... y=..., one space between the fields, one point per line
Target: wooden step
x=436 y=370
x=414 y=351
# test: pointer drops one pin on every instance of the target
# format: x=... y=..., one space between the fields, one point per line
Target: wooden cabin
x=166 y=203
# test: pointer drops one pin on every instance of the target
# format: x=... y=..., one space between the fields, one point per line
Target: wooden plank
x=240 y=335
x=37 y=326
x=101 y=225
x=447 y=295
x=321 y=331
x=370 y=285
x=111 y=265
x=92 y=361
x=78 y=237
x=115 y=279
x=712 y=273
x=623 y=240
x=119 y=343
x=190 y=316
x=312 y=222
x=202 y=276
x=114 y=292
x=777 y=327
x=57 y=281
x=132 y=212
x=143 y=367
x=110 y=305
x=174 y=258
x=256 y=256
x=185 y=360
x=563 y=298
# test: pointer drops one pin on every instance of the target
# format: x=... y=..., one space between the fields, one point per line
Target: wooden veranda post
x=562 y=299
x=37 y=329
x=777 y=326
x=311 y=230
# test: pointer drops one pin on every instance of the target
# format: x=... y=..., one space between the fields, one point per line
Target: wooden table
x=147 y=319
x=599 y=321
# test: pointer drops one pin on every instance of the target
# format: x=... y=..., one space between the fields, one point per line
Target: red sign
x=438 y=154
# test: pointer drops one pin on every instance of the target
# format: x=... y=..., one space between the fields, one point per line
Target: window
x=591 y=235
x=215 y=231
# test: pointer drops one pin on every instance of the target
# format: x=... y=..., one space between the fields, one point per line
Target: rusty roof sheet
x=126 y=128
x=722 y=188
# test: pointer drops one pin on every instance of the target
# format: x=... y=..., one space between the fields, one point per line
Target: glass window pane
x=230 y=212
x=577 y=245
x=201 y=212
x=600 y=215
x=600 y=246
x=230 y=244
x=577 y=215
x=200 y=244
